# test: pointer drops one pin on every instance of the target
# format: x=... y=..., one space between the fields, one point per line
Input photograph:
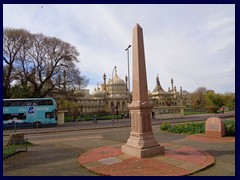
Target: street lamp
x=127 y=49
x=112 y=94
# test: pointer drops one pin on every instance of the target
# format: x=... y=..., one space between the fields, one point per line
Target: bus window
x=49 y=115
x=17 y=116
x=47 y=102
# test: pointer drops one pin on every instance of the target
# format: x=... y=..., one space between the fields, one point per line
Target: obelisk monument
x=141 y=142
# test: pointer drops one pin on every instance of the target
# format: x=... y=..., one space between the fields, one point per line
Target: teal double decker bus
x=35 y=111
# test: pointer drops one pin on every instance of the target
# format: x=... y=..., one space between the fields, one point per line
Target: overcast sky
x=193 y=44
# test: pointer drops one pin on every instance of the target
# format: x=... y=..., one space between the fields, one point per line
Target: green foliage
x=198 y=97
x=63 y=104
x=11 y=149
x=188 y=128
x=165 y=126
x=214 y=101
x=89 y=117
x=229 y=100
x=196 y=128
x=208 y=99
x=8 y=151
x=212 y=109
x=193 y=111
x=20 y=91
x=229 y=126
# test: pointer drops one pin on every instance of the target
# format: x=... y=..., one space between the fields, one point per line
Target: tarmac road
x=75 y=126
x=56 y=154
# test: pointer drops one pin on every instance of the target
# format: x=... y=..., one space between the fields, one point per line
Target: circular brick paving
x=206 y=139
x=176 y=161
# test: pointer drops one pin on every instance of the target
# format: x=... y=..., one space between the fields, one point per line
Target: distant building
x=170 y=102
x=113 y=97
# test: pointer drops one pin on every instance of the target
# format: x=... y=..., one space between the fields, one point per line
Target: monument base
x=214 y=134
x=142 y=153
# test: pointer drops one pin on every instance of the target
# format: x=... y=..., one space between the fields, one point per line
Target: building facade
x=110 y=97
x=113 y=97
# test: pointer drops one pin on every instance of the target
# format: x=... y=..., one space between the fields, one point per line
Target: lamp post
x=127 y=49
x=112 y=95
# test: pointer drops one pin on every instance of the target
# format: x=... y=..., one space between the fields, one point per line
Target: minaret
x=158 y=86
x=157 y=80
x=126 y=79
x=141 y=142
x=175 y=92
x=172 y=83
x=116 y=71
x=181 y=91
x=104 y=80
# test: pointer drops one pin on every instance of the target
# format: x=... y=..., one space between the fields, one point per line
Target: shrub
x=186 y=128
x=212 y=109
x=165 y=126
x=197 y=128
x=229 y=126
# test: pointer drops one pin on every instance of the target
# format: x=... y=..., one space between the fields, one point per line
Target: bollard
x=15 y=126
x=26 y=144
x=37 y=127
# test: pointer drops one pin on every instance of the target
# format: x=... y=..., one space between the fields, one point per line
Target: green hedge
x=196 y=128
x=69 y=118
x=229 y=126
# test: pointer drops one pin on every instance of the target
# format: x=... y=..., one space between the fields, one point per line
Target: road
x=56 y=154
x=75 y=126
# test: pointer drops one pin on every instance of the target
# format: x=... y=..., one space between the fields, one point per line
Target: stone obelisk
x=141 y=142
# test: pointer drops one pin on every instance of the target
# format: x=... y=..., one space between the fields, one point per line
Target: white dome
x=98 y=93
x=116 y=85
x=116 y=80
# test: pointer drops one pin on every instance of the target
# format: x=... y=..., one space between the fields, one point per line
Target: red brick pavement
x=176 y=161
x=98 y=154
x=206 y=139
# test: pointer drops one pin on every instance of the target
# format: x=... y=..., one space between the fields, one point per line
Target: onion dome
x=116 y=84
x=97 y=93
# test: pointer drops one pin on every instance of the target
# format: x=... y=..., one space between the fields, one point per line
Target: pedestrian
x=117 y=114
x=82 y=118
x=75 y=117
x=222 y=110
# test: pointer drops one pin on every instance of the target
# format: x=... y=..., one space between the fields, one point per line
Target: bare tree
x=186 y=98
x=13 y=41
x=41 y=61
x=197 y=98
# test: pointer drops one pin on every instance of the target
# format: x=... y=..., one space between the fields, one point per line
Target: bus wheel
x=37 y=124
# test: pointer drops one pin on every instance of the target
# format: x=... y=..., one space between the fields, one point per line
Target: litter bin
x=94 y=118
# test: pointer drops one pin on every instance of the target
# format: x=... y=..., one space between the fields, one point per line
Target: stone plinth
x=214 y=127
x=60 y=115
x=141 y=142
x=16 y=138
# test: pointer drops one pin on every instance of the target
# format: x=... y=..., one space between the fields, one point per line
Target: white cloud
x=193 y=44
